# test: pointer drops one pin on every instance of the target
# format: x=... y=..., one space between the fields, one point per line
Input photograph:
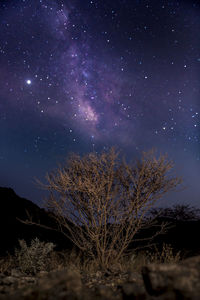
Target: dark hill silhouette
x=185 y=221
x=13 y=209
x=183 y=234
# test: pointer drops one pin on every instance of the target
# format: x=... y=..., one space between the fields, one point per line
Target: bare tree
x=106 y=199
x=181 y=212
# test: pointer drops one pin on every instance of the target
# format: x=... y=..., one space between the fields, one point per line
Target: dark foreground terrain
x=156 y=281
x=53 y=269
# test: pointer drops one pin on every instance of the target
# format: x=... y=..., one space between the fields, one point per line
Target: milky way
x=85 y=75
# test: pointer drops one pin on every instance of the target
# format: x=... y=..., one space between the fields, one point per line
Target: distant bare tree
x=183 y=212
x=106 y=199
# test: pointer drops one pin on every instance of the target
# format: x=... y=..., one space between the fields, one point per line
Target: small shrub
x=76 y=260
x=34 y=258
x=6 y=264
x=135 y=261
x=166 y=255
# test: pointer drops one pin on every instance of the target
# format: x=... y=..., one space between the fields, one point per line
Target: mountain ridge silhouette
x=14 y=211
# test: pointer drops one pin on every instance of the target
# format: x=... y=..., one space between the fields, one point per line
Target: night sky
x=85 y=75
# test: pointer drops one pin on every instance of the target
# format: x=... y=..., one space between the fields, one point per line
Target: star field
x=81 y=76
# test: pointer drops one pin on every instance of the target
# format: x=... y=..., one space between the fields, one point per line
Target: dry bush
x=136 y=261
x=132 y=262
x=183 y=212
x=7 y=263
x=166 y=255
x=34 y=258
x=100 y=201
x=73 y=260
x=66 y=259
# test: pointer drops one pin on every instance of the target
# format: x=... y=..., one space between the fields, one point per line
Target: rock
x=28 y=279
x=134 y=277
x=174 y=281
x=16 y=273
x=132 y=291
x=65 y=284
x=8 y=280
x=2 y=276
x=104 y=292
x=42 y=274
x=192 y=262
x=65 y=279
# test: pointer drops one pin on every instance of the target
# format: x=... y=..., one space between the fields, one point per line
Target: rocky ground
x=156 y=281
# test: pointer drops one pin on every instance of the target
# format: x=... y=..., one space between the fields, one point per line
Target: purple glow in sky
x=81 y=76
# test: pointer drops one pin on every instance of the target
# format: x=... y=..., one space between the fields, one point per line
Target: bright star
x=28 y=81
